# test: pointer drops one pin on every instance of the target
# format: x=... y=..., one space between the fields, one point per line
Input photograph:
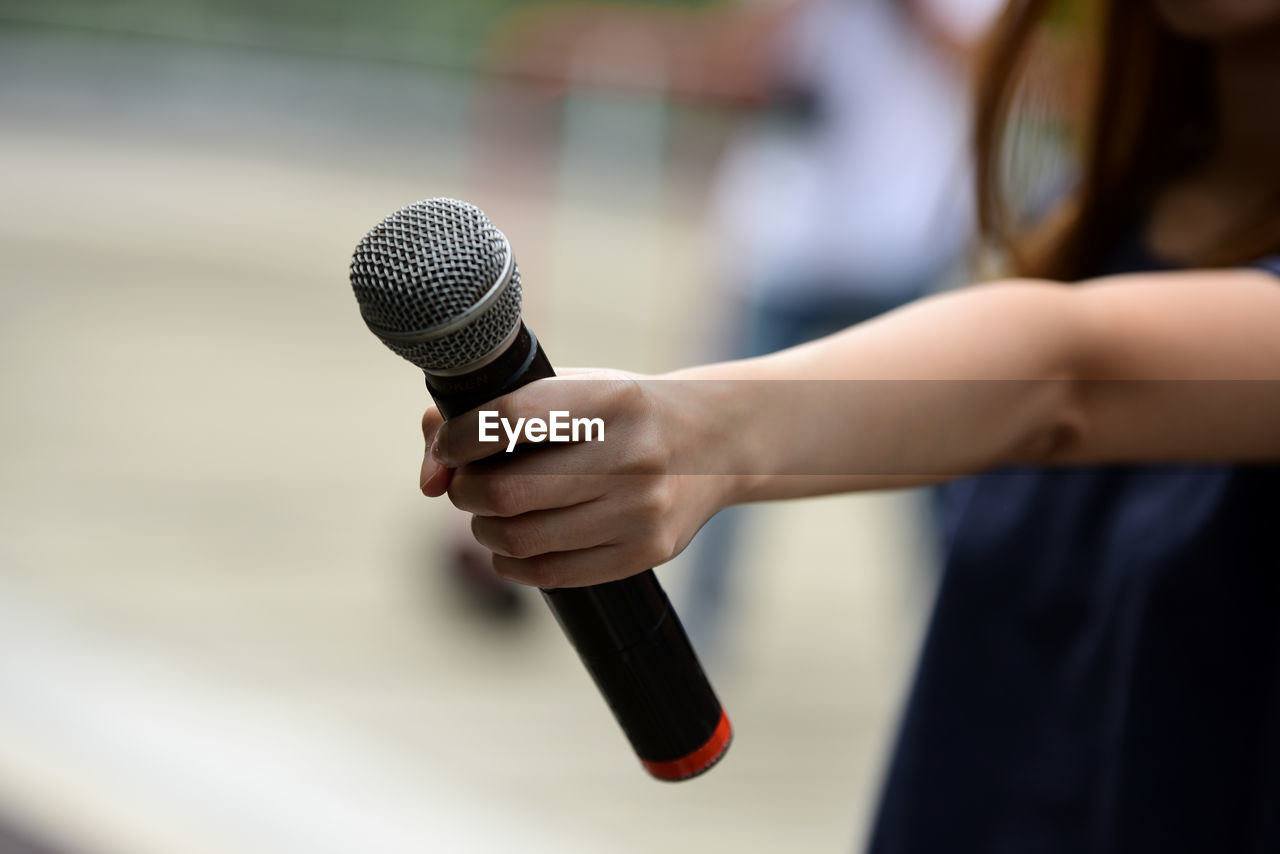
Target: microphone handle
x=626 y=632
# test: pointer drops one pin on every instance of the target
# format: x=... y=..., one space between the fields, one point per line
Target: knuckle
x=655 y=501
x=507 y=537
x=463 y=491
x=502 y=495
x=482 y=528
x=458 y=494
x=629 y=394
x=512 y=406
x=519 y=538
x=643 y=455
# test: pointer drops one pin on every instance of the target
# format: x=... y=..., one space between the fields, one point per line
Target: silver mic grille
x=437 y=282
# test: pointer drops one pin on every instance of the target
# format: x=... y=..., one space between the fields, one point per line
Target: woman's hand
x=586 y=512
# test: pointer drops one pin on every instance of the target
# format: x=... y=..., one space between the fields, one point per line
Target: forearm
x=1169 y=367
x=946 y=386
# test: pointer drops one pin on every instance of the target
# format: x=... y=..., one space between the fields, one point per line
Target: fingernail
x=436 y=453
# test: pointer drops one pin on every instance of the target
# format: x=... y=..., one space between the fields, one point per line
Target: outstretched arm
x=1170 y=366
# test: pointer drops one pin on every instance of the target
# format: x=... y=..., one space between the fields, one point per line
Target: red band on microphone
x=699 y=760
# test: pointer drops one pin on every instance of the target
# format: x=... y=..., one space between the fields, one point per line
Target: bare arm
x=1168 y=367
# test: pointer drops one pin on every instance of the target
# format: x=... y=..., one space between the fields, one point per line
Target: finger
x=525 y=485
x=433 y=479
x=572 y=569
x=582 y=526
x=459 y=441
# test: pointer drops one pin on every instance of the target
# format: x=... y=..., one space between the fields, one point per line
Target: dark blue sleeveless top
x=1101 y=673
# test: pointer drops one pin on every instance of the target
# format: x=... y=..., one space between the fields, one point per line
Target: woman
x=1102 y=671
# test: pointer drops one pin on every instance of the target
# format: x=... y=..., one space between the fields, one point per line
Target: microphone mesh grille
x=427 y=264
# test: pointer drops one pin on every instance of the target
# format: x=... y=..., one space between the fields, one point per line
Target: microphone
x=439 y=285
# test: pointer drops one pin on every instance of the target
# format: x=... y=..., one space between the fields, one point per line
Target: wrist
x=718 y=434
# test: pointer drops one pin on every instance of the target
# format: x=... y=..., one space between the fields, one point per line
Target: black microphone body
x=626 y=632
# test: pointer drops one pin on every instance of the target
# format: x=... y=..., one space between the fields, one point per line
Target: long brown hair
x=1140 y=102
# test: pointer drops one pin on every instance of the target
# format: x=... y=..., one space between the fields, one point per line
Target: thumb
x=434 y=478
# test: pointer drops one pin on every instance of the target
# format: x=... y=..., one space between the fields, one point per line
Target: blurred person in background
x=1102 y=668
x=851 y=195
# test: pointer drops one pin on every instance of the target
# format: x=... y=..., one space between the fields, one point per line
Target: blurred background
x=228 y=620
